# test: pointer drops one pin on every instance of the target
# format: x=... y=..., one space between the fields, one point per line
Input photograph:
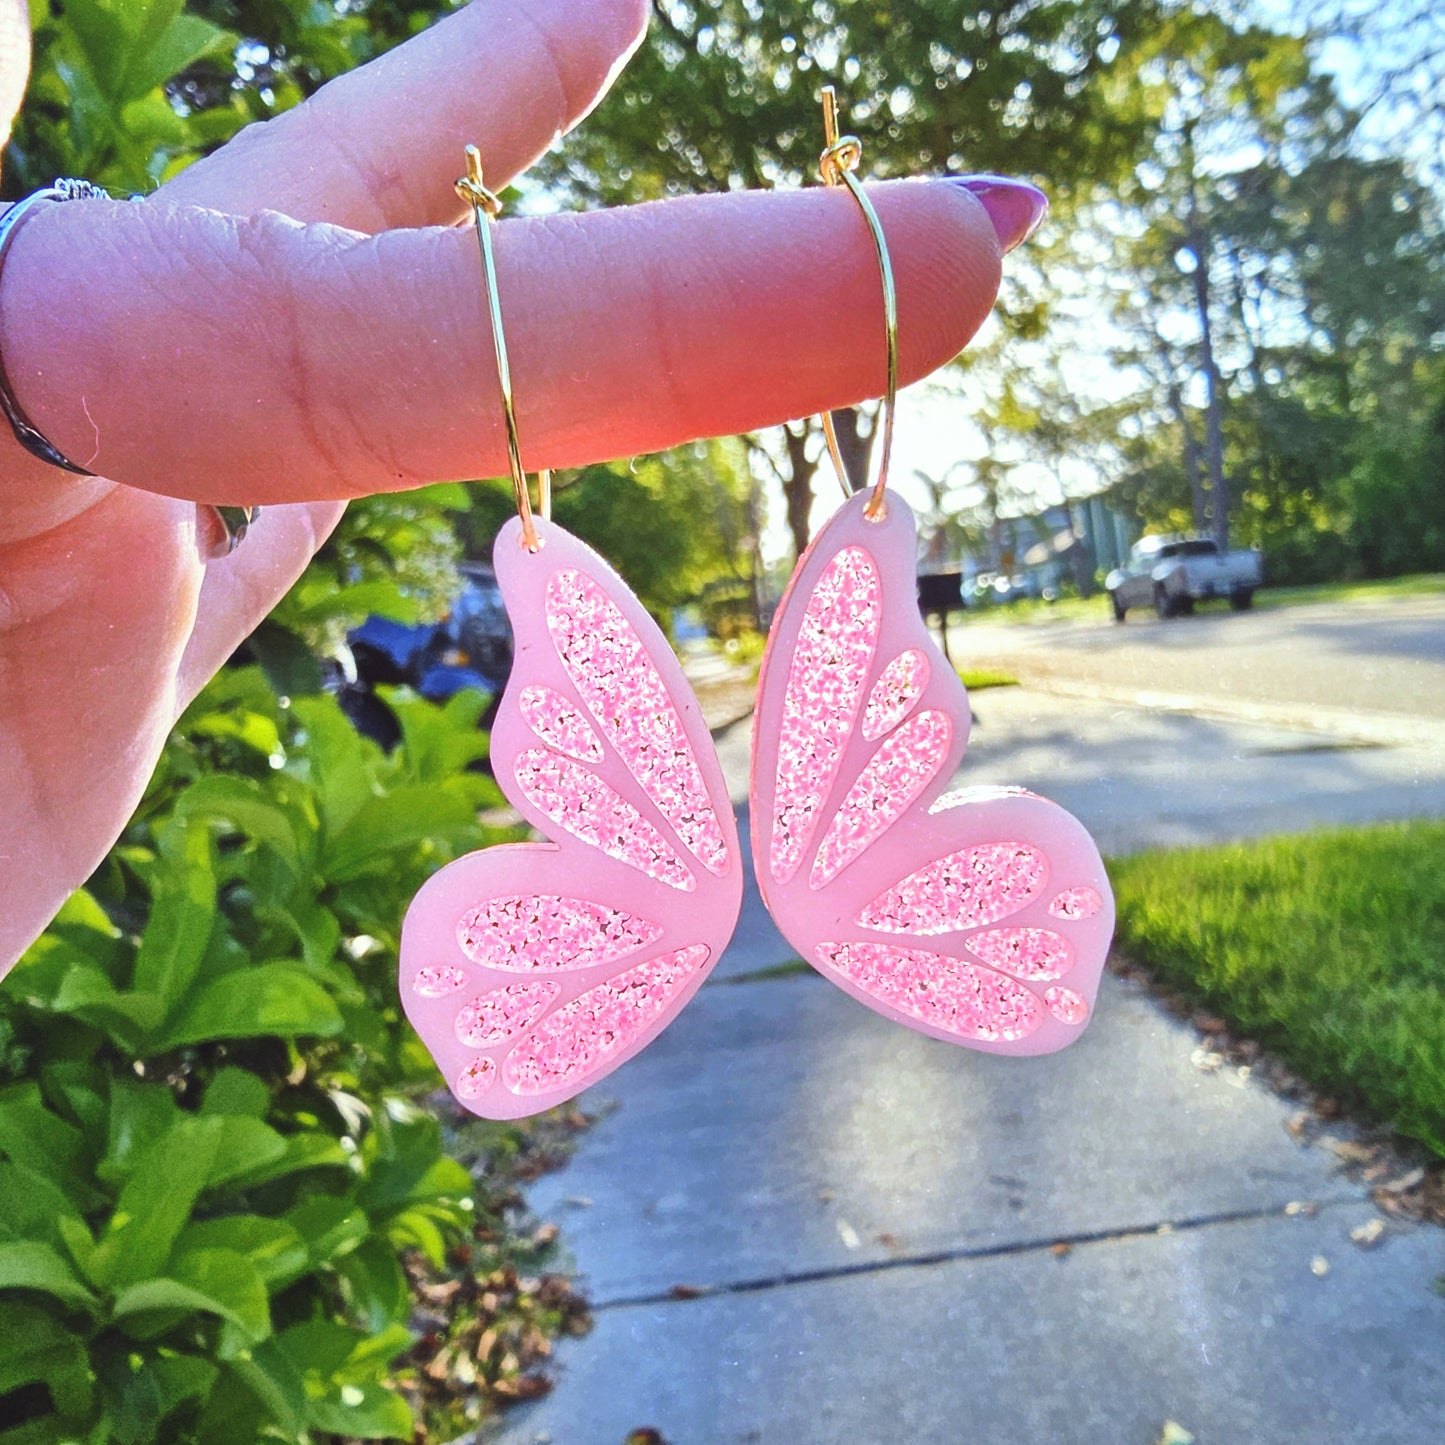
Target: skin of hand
x=297 y=319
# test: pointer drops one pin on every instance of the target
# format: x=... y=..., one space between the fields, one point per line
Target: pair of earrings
x=979 y=916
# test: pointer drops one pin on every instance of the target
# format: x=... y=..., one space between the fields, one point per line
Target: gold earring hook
x=839 y=160
x=486 y=207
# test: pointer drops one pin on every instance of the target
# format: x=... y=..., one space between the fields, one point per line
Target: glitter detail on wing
x=621 y=687
x=584 y=1034
x=438 y=982
x=1066 y=1005
x=965 y=999
x=1032 y=953
x=559 y=724
x=896 y=693
x=825 y=685
x=894 y=777
x=525 y=932
x=476 y=1078
x=1076 y=903
x=965 y=889
x=493 y=1018
x=579 y=801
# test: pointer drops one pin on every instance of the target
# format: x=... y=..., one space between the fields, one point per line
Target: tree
x=724 y=96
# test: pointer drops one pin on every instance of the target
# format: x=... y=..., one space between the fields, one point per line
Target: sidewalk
x=803 y=1226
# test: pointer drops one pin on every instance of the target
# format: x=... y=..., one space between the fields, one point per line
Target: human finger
x=241 y=589
x=14 y=61
x=380 y=146
x=94 y=615
x=242 y=361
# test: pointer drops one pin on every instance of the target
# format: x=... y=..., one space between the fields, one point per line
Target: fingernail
x=1014 y=207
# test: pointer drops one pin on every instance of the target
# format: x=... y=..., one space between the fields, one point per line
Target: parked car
x=1172 y=573
x=470 y=647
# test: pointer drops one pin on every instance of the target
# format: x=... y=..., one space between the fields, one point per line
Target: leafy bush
x=210 y=1154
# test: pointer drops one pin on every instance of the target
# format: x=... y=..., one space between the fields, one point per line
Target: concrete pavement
x=803 y=1224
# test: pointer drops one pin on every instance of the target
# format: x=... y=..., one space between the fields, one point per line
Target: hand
x=296 y=320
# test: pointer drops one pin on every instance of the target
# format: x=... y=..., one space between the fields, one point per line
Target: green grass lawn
x=978 y=678
x=1329 y=948
x=1419 y=584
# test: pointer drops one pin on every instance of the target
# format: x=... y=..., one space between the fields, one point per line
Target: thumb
x=14 y=61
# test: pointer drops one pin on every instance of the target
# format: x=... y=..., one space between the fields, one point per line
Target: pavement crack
x=683 y=1293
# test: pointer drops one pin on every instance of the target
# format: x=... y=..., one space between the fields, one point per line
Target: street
x=1374 y=671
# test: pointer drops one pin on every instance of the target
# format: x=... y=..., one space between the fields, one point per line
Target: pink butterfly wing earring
x=532 y=970
x=981 y=916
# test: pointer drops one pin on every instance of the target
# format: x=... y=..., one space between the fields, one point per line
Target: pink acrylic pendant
x=532 y=970
x=980 y=916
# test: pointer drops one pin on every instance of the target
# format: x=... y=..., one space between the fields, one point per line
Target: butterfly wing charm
x=980 y=916
x=532 y=970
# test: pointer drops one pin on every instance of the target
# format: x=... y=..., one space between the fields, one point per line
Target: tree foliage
x=724 y=95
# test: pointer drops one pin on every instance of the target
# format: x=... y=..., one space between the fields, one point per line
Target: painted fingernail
x=1014 y=207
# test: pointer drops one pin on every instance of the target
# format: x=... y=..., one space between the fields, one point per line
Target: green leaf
x=37 y=1140
x=340 y=1367
x=235 y=1413
x=337 y=759
x=105 y=32
x=181 y=43
x=319 y=1349
x=389 y=824
x=449 y=496
x=329 y=1227
x=315 y=926
x=86 y=993
x=291 y=667
x=81 y=910
x=366 y=1412
x=156 y=1202
x=79 y=1243
x=139 y=1400
x=310 y=1150
x=236 y=1091
x=438 y=742
x=247 y=808
x=272 y=1245
x=272 y=998
x=76 y=1090
x=28 y=1264
x=183 y=912
x=139 y=1115
x=245 y=1149
x=376 y=1284
x=32 y=1207
x=42 y=1349
x=406 y=1167
x=221 y=1282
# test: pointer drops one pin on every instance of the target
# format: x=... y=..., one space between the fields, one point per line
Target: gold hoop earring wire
x=839 y=160
x=486 y=207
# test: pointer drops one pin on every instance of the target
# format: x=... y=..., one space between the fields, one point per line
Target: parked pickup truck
x=1170 y=574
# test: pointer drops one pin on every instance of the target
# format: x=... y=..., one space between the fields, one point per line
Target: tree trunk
x=798 y=484
x=1198 y=493
x=1197 y=243
x=1214 y=397
x=855 y=445
x=755 y=546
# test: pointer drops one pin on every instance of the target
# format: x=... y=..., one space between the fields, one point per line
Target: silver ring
x=234 y=521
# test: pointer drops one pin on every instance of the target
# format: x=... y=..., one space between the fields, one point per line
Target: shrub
x=211 y=1157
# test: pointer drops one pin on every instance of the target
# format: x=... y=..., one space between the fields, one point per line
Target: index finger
x=246 y=361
